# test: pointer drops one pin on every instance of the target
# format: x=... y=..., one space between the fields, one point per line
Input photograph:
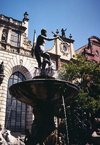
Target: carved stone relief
x=64 y=48
x=27 y=42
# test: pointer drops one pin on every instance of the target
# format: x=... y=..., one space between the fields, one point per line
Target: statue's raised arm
x=49 y=39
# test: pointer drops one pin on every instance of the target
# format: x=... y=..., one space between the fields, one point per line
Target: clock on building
x=64 y=48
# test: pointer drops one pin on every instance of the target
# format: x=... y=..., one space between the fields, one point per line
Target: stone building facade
x=62 y=50
x=91 y=50
x=17 y=55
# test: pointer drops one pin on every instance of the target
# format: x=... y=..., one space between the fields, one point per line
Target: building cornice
x=10 y=22
x=16 y=50
x=67 y=39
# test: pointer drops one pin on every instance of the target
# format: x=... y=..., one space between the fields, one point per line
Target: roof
x=80 y=50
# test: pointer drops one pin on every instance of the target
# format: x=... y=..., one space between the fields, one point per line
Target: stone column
x=1 y=28
x=3 y=95
x=8 y=39
x=58 y=63
x=72 y=52
x=21 y=39
x=9 y=36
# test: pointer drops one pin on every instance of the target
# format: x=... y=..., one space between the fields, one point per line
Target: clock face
x=64 y=48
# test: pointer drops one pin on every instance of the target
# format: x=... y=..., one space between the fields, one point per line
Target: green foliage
x=85 y=74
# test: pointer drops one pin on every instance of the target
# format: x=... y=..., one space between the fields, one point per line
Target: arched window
x=15 y=110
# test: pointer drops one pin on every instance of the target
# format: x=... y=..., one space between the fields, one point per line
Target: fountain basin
x=34 y=91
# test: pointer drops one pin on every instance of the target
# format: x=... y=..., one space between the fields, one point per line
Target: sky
x=80 y=17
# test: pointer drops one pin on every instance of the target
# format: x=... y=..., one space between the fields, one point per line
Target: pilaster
x=21 y=40
x=1 y=28
x=58 y=63
x=9 y=36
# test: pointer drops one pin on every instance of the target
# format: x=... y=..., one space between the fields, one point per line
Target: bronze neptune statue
x=39 y=49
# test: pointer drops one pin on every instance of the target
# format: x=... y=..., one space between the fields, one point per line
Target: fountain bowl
x=39 y=89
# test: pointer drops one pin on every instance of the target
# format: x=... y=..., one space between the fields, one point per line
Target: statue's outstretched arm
x=49 y=39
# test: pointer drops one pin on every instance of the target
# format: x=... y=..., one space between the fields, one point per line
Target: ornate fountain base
x=43 y=123
x=43 y=94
